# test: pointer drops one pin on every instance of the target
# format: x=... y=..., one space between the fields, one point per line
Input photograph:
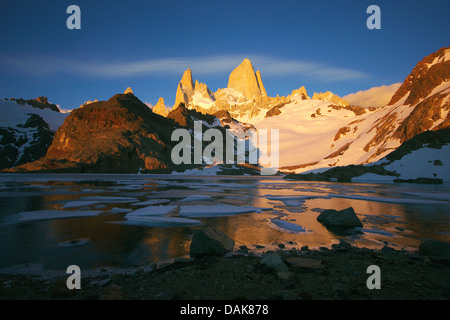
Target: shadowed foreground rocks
x=210 y=241
x=299 y=274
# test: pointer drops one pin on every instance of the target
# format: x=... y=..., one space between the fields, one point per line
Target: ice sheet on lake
x=37 y=186
x=109 y=199
x=389 y=200
x=152 y=221
x=434 y=196
x=76 y=204
x=377 y=231
x=207 y=189
x=287 y=227
x=152 y=211
x=196 y=197
x=290 y=197
x=50 y=215
x=127 y=187
x=294 y=203
x=120 y=210
x=151 y=202
x=215 y=210
x=207 y=171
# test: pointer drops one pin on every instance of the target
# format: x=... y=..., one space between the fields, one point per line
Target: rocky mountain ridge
x=27 y=128
x=124 y=135
x=244 y=98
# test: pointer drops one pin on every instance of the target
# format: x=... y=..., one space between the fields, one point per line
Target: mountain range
x=316 y=133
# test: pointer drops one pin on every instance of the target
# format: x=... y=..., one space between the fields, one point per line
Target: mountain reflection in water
x=400 y=215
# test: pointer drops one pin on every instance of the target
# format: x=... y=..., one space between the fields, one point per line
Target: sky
x=147 y=45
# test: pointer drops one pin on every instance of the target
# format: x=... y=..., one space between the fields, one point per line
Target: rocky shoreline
x=339 y=273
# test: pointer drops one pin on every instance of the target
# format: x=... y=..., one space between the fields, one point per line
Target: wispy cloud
x=45 y=66
x=373 y=97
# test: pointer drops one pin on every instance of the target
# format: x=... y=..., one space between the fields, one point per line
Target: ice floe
x=286 y=227
x=120 y=210
x=388 y=199
x=50 y=215
x=152 y=211
x=151 y=202
x=76 y=204
x=109 y=199
x=434 y=196
x=291 y=197
x=377 y=231
x=196 y=197
x=207 y=189
x=294 y=203
x=158 y=221
x=215 y=210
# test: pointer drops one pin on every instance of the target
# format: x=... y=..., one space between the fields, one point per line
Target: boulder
x=346 y=218
x=210 y=241
x=274 y=261
x=435 y=248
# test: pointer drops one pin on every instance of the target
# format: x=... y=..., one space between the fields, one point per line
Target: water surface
x=92 y=220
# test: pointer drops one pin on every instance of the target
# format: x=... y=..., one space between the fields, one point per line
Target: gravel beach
x=339 y=273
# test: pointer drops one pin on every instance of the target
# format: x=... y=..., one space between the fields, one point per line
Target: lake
x=51 y=221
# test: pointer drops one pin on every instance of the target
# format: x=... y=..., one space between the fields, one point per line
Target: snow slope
x=304 y=138
x=315 y=135
x=25 y=132
x=14 y=114
x=422 y=163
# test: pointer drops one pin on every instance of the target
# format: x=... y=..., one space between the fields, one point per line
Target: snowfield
x=314 y=135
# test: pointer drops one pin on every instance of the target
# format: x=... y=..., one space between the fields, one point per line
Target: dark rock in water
x=243 y=249
x=210 y=241
x=435 y=248
x=346 y=218
x=342 y=245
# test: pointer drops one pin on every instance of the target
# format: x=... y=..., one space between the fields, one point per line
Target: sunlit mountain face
x=313 y=132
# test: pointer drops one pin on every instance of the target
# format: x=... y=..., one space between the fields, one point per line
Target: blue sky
x=146 y=45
